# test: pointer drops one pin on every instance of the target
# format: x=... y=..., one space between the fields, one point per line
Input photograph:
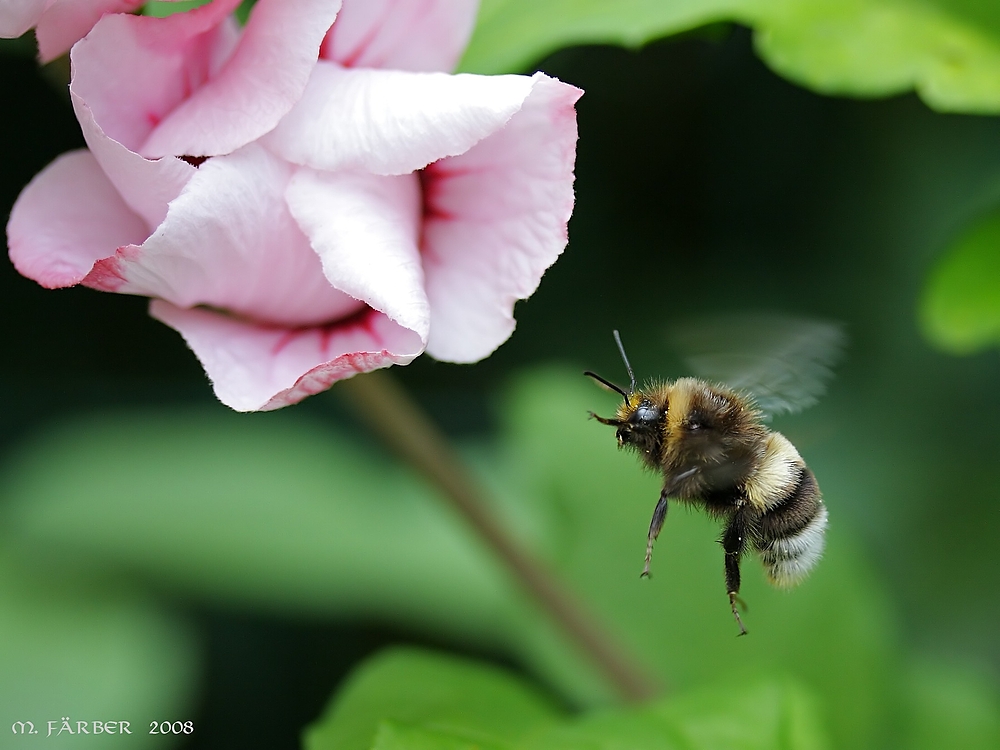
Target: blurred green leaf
x=948 y=50
x=960 y=309
x=164 y=8
x=946 y=705
x=415 y=700
x=249 y=509
x=761 y=715
x=89 y=652
x=432 y=701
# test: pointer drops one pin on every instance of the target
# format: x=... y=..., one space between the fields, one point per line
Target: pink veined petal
x=66 y=219
x=256 y=87
x=419 y=35
x=17 y=16
x=68 y=21
x=133 y=71
x=259 y=368
x=496 y=220
x=146 y=185
x=229 y=242
x=390 y=121
x=365 y=229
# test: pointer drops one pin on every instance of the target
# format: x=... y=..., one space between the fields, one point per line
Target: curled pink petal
x=419 y=35
x=260 y=368
x=393 y=122
x=17 y=16
x=496 y=220
x=66 y=22
x=365 y=229
x=66 y=219
x=229 y=242
x=133 y=71
x=146 y=185
x=256 y=86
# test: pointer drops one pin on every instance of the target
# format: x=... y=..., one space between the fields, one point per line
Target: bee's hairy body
x=713 y=450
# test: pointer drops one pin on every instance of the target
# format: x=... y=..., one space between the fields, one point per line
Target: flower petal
x=229 y=242
x=401 y=34
x=66 y=22
x=17 y=16
x=258 y=368
x=255 y=88
x=146 y=185
x=365 y=229
x=496 y=220
x=132 y=71
x=390 y=121
x=67 y=218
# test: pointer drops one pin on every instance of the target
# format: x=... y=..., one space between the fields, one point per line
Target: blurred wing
x=783 y=362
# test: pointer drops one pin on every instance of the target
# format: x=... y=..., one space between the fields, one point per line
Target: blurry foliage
x=281 y=514
x=410 y=699
x=947 y=50
x=961 y=305
x=704 y=183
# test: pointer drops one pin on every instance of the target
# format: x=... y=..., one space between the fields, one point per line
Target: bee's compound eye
x=646 y=413
x=624 y=434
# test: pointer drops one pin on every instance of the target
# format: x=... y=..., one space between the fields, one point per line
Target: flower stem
x=387 y=409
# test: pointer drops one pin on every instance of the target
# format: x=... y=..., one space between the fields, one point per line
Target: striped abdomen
x=789 y=532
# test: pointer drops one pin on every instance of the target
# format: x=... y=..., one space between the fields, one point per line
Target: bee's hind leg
x=659 y=516
x=734 y=542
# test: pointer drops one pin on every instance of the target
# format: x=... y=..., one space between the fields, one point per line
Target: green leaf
x=258 y=509
x=430 y=700
x=762 y=715
x=960 y=309
x=947 y=50
x=413 y=700
x=89 y=651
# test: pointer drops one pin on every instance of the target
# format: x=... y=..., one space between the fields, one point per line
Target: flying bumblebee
x=710 y=442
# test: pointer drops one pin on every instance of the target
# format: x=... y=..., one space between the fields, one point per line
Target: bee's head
x=639 y=419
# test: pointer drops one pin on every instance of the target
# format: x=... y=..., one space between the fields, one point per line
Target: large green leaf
x=411 y=700
x=266 y=510
x=948 y=50
x=960 y=310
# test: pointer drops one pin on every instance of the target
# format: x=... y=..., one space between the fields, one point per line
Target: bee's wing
x=783 y=362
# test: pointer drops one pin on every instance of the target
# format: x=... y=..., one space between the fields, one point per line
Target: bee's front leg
x=659 y=516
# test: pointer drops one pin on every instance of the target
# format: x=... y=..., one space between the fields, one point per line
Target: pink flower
x=58 y=24
x=305 y=200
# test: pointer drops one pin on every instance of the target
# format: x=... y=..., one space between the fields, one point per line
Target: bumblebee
x=712 y=447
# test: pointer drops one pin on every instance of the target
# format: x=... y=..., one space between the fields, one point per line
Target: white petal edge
x=393 y=122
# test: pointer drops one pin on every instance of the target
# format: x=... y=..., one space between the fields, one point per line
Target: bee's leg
x=659 y=515
x=734 y=542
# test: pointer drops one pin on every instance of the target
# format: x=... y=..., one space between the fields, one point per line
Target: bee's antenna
x=631 y=388
x=607 y=383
